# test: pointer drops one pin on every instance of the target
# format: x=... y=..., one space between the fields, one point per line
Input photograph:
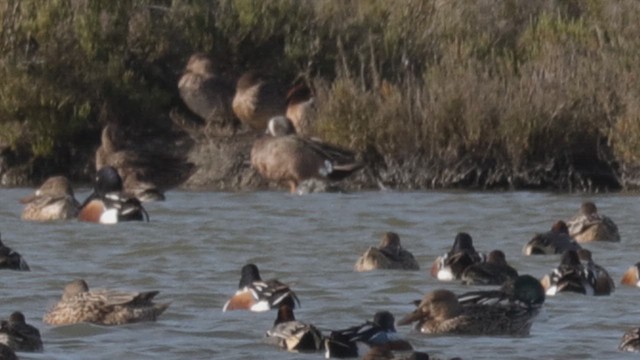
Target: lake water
x=196 y=243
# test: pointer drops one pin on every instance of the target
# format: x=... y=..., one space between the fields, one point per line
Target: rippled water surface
x=196 y=243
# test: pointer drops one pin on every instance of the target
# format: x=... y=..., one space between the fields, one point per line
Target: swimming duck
x=10 y=259
x=631 y=277
x=450 y=266
x=494 y=271
x=257 y=295
x=20 y=336
x=571 y=275
x=206 y=93
x=508 y=311
x=258 y=99
x=300 y=108
x=108 y=204
x=293 y=335
x=6 y=353
x=379 y=332
x=555 y=241
x=54 y=200
x=604 y=284
x=588 y=225
x=630 y=341
x=389 y=255
x=105 y=307
x=285 y=157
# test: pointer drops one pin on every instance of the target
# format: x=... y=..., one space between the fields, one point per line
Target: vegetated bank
x=488 y=94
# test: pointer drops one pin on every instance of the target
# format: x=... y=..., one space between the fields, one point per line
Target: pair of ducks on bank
x=107 y=204
x=79 y=304
x=253 y=100
x=507 y=311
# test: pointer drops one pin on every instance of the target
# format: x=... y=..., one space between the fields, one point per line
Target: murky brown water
x=196 y=242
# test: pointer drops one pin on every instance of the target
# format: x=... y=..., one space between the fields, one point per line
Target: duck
x=630 y=276
x=301 y=108
x=283 y=156
x=258 y=99
x=555 y=241
x=570 y=276
x=108 y=204
x=20 y=336
x=508 y=311
x=449 y=266
x=54 y=200
x=6 y=353
x=293 y=335
x=257 y=295
x=388 y=255
x=148 y=164
x=103 y=306
x=10 y=259
x=206 y=93
x=630 y=341
x=380 y=332
x=494 y=271
x=589 y=226
x=604 y=284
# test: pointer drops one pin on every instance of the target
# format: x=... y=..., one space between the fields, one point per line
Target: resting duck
x=258 y=99
x=293 y=335
x=631 y=277
x=450 y=266
x=389 y=255
x=108 y=204
x=300 y=108
x=257 y=295
x=54 y=200
x=105 y=307
x=284 y=157
x=10 y=259
x=508 y=311
x=206 y=93
x=555 y=241
x=20 y=336
x=630 y=341
x=494 y=271
x=380 y=332
x=573 y=276
x=147 y=163
x=588 y=225
x=604 y=284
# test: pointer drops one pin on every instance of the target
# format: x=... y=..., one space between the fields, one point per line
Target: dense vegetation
x=508 y=93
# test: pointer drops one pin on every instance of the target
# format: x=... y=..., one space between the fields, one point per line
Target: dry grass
x=514 y=93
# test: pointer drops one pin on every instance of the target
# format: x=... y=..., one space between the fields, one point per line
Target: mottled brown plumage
x=388 y=255
x=301 y=108
x=258 y=99
x=589 y=226
x=206 y=93
x=54 y=200
x=105 y=307
x=283 y=156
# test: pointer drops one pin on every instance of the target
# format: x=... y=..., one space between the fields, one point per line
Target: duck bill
x=410 y=318
x=27 y=199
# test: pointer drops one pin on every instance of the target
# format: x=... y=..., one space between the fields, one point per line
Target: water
x=196 y=243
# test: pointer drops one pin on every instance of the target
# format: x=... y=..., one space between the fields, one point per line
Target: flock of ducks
x=286 y=155
x=509 y=310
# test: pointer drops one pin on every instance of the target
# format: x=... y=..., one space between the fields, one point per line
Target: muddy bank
x=221 y=160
